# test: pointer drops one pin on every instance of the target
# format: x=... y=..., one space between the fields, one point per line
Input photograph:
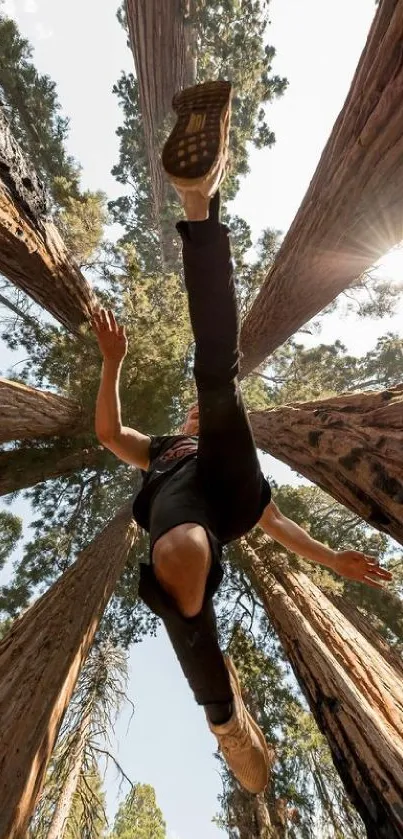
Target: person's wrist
x=111 y=362
x=333 y=558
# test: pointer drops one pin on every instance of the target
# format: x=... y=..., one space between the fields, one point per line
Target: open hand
x=111 y=337
x=357 y=566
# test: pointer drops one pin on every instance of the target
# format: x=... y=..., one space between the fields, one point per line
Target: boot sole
x=252 y=722
x=197 y=148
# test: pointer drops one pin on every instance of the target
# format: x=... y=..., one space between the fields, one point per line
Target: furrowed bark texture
x=40 y=660
x=362 y=624
x=353 y=210
x=32 y=253
x=350 y=445
x=159 y=38
x=24 y=467
x=26 y=413
x=355 y=695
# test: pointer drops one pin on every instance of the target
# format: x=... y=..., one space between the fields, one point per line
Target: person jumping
x=204 y=488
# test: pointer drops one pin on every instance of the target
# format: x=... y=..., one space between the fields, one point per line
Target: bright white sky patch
x=43 y=33
x=391 y=265
x=30 y=7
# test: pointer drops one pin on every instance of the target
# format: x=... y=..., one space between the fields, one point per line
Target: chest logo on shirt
x=178 y=450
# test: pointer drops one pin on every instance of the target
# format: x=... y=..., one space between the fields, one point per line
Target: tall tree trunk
x=266 y=829
x=65 y=801
x=32 y=254
x=250 y=816
x=353 y=210
x=354 y=694
x=350 y=445
x=161 y=41
x=26 y=412
x=40 y=660
x=354 y=616
x=24 y=467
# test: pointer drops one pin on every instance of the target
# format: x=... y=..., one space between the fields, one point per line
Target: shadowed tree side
x=354 y=694
x=25 y=467
x=32 y=253
x=350 y=445
x=40 y=660
x=26 y=412
x=353 y=210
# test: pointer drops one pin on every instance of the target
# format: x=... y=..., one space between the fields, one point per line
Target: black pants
x=227 y=457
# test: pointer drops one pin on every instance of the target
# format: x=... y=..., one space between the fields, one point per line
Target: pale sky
x=82 y=47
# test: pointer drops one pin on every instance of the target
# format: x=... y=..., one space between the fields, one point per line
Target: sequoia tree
x=352 y=212
x=32 y=253
x=40 y=660
x=27 y=413
x=350 y=445
x=26 y=466
x=159 y=46
x=354 y=694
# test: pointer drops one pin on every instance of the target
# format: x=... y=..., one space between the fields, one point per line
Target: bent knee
x=186 y=541
x=181 y=560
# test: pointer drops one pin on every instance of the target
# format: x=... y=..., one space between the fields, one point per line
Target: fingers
x=96 y=321
x=380 y=572
x=112 y=321
x=372 y=583
x=104 y=320
x=375 y=569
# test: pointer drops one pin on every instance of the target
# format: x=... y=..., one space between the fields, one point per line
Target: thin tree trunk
x=17 y=311
x=353 y=210
x=350 y=445
x=40 y=660
x=354 y=694
x=26 y=413
x=24 y=467
x=268 y=811
x=32 y=254
x=266 y=829
x=160 y=39
x=325 y=798
x=65 y=801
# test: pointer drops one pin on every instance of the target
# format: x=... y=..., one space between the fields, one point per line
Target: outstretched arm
x=127 y=444
x=352 y=564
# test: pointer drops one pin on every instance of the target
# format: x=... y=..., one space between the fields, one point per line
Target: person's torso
x=167 y=455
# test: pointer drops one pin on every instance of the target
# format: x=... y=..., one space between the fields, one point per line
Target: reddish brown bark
x=350 y=445
x=24 y=467
x=40 y=659
x=355 y=617
x=26 y=412
x=353 y=692
x=353 y=210
x=32 y=254
x=160 y=44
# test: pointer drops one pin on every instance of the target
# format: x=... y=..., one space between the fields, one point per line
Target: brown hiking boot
x=196 y=152
x=242 y=742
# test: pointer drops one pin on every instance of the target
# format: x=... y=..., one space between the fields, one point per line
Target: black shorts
x=181 y=498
